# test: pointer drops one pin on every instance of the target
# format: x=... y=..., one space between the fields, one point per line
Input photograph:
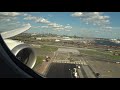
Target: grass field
x=39 y=60
x=105 y=54
x=48 y=48
x=45 y=50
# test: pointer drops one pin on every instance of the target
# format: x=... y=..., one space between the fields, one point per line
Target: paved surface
x=67 y=50
x=61 y=67
x=58 y=70
x=88 y=72
x=106 y=69
x=42 y=68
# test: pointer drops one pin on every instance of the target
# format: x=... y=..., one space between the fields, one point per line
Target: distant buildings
x=115 y=40
x=57 y=40
x=38 y=38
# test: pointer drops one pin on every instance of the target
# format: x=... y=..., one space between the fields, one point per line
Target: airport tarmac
x=60 y=70
x=106 y=69
x=61 y=67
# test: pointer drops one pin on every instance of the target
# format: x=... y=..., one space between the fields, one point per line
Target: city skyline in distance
x=83 y=24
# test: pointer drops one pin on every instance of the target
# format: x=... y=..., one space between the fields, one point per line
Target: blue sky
x=84 y=24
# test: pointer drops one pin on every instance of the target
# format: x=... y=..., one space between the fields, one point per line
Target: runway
x=62 y=67
x=60 y=70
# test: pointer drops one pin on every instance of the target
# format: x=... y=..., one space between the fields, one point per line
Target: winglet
x=15 y=32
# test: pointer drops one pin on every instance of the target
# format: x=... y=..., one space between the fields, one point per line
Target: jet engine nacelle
x=22 y=51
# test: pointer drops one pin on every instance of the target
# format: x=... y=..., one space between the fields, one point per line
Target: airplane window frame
x=17 y=62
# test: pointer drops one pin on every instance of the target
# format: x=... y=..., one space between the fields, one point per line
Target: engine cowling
x=22 y=51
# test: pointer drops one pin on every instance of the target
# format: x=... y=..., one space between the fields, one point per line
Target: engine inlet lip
x=19 y=47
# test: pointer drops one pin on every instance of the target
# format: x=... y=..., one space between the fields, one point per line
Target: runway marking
x=82 y=60
x=66 y=61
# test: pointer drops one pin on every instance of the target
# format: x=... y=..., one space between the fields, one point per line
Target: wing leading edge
x=15 y=32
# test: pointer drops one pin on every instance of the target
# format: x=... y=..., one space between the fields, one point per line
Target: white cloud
x=68 y=27
x=37 y=19
x=9 y=19
x=95 y=18
x=25 y=14
x=9 y=13
x=44 y=27
x=59 y=28
x=53 y=25
x=77 y=14
x=56 y=26
x=8 y=16
x=44 y=21
x=29 y=17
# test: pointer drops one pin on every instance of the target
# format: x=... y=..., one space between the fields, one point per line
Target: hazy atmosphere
x=83 y=24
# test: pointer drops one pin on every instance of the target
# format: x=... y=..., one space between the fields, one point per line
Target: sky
x=83 y=24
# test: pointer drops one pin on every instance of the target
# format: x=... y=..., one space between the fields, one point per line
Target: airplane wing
x=15 y=32
x=11 y=66
x=19 y=48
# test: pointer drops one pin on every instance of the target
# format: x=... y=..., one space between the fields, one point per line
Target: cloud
x=50 y=24
x=9 y=14
x=37 y=19
x=55 y=25
x=44 y=27
x=77 y=14
x=9 y=19
x=30 y=17
x=68 y=27
x=59 y=28
x=44 y=20
x=25 y=14
x=40 y=27
x=95 y=18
